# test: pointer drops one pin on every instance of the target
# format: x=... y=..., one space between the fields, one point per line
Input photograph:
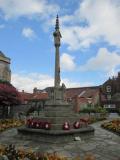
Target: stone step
x=59 y=120
x=58 y=107
x=60 y=126
x=57 y=114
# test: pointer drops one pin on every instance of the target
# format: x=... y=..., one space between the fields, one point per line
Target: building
x=5 y=72
x=83 y=97
x=110 y=93
x=31 y=101
x=9 y=95
x=37 y=96
x=106 y=95
x=79 y=97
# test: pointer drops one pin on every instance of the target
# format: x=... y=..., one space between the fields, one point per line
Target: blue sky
x=90 y=44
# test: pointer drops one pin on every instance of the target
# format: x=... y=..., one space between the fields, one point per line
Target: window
x=109 y=106
x=108 y=88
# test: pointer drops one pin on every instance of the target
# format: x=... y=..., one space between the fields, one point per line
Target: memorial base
x=55 y=136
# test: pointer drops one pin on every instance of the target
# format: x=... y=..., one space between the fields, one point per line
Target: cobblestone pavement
x=104 y=144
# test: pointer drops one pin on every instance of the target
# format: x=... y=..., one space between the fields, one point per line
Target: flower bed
x=11 y=153
x=9 y=123
x=113 y=126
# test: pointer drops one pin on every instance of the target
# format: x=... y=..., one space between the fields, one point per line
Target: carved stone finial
x=57 y=23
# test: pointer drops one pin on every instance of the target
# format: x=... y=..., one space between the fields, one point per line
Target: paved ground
x=104 y=144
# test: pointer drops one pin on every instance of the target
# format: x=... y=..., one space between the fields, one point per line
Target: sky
x=90 y=43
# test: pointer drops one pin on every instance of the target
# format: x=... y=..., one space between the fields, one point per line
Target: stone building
x=9 y=96
x=5 y=72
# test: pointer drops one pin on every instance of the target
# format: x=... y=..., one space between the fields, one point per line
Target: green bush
x=93 y=110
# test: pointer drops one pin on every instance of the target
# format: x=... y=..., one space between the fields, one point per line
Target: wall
x=5 y=72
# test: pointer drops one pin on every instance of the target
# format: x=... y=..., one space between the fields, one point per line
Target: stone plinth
x=55 y=136
x=57 y=115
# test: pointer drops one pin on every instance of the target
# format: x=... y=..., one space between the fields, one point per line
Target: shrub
x=11 y=153
x=113 y=125
x=9 y=123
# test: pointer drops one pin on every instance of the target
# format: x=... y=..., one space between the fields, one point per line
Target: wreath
x=47 y=125
x=76 y=125
x=38 y=124
x=33 y=123
x=66 y=126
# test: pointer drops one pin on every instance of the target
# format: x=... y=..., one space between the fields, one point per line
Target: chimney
x=35 y=90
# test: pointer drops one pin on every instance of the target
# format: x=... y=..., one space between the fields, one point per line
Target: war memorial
x=57 y=122
x=56 y=130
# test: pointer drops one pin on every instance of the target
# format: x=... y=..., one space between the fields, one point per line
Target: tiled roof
x=32 y=96
x=25 y=96
x=82 y=92
x=39 y=96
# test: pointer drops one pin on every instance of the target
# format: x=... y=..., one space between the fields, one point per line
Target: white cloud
x=67 y=62
x=104 y=61
x=28 y=33
x=27 y=8
x=103 y=23
x=28 y=81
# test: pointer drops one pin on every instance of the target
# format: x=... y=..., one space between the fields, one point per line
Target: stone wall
x=5 y=72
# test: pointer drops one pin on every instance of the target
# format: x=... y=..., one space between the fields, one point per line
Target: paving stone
x=64 y=154
x=88 y=147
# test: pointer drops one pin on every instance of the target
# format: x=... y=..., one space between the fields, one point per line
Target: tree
x=9 y=97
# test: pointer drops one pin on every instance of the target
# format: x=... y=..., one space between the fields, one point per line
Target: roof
x=39 y=96
x=33 y=96
x=25 y=96
x=82 y=92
